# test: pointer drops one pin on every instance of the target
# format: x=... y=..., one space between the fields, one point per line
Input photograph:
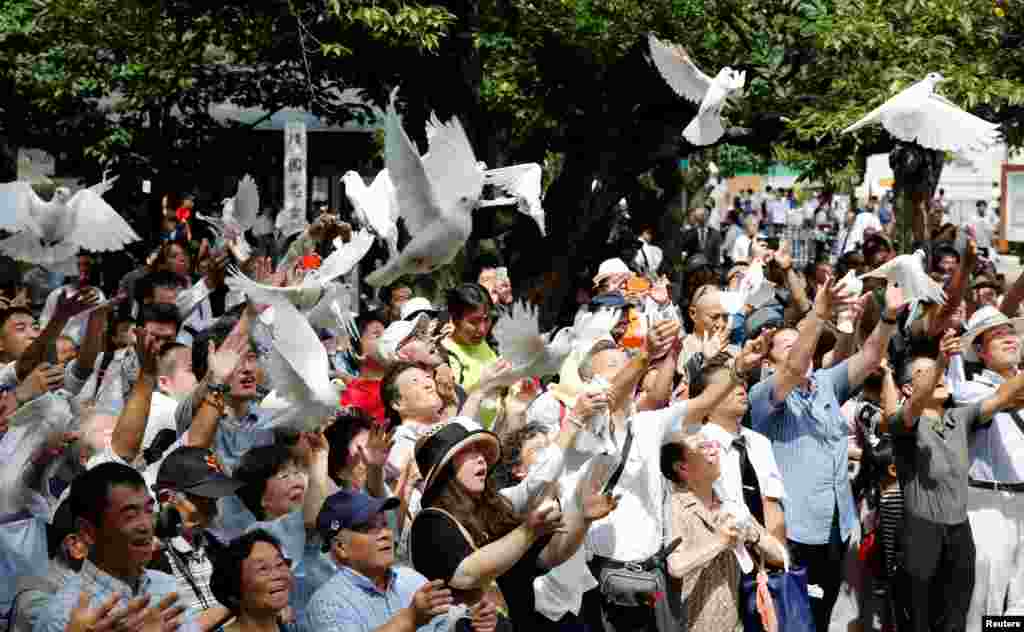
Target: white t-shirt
x=778 y=210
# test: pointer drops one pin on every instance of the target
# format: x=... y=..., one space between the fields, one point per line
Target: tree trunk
x=8 y=159
x=917 y=172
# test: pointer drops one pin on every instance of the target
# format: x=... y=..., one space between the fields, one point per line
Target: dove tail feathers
x=704 y=130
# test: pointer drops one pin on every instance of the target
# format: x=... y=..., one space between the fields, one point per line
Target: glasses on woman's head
x=702 y=290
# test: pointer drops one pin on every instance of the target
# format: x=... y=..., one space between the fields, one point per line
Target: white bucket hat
x=984 y=319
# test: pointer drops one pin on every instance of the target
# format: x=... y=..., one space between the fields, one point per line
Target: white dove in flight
x=316 y=282
x=687 y=80
x=52 y=233
x=919 y=115
x=908 y=273
x=376 y=206
x=523 y=184
x=239 y=215
x=299 y=368
x=436 y=195
x=532 y=353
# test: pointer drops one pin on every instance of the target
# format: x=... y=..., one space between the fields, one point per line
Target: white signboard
x=1013 y=202
x=292 y=218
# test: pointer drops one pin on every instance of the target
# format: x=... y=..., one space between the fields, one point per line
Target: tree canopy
x=563 y=82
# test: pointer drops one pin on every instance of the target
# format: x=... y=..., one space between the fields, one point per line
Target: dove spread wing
x=679 y=71
x=594 y=327
x=451 y=165
x=299 y=346
x=345 y=256
x=19 y=206
x=518 y=335
x=413 y=191
x=936 y=123
x=375 y=204
x=96 y=225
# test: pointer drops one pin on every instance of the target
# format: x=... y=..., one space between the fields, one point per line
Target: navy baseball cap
x=346 y=509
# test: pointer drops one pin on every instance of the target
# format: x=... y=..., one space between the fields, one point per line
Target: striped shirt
x=192 y=568
x=351 y=602
x=891 y=526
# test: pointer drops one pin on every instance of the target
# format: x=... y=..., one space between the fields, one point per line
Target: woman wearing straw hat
x=469 y=534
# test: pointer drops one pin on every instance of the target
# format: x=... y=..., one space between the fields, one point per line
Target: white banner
x=292 y=218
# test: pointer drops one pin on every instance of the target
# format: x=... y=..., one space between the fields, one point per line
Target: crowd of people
x=745 y=419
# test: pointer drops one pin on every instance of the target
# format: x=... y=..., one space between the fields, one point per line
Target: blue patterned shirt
x=100 y=586
x=351 y=602
x=809 y=437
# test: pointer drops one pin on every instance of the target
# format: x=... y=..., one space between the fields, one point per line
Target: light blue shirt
x=809 y=437
x=351 y=602
x=100 y=586
x=234 y=437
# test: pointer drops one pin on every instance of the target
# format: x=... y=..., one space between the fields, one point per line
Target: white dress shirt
x=762 y=458
x=636 y=529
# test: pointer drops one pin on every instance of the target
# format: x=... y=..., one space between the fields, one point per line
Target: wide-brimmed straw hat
x=441 y=444
x=984 y=319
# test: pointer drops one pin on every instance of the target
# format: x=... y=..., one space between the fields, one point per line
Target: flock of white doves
x=435 y=195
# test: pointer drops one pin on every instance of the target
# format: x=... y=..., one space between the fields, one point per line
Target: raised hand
x=544 y=515
x=713 y=344
x=43 y=379
x=661 y=337
x=497 y=373
x=147 y=349
x=949 y=346
x=70 y=306
x=783 y=256
x=378 y=447
x=727 y=532
x=754 y=352
x=432 y=599
x=224 y=359
x=484 y=616
x=103 y=618
x=167 y=615
x=444 y=380
x=596 y=503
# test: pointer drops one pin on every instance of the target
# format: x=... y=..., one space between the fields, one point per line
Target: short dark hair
x=339 y=437
x=373 y=316
x=389 y=393
x=512 y=451
x=226 y=579
x=257 y=466
x=145 y=287
x=671 y=453
x=165 y=364
x=387 y=290
x=90 y=491
x=466 y=298
x=159 y=313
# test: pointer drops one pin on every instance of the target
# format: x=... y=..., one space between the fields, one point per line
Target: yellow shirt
x=467 y=363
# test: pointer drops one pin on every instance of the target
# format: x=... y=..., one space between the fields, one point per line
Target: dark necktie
x=751 y=487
